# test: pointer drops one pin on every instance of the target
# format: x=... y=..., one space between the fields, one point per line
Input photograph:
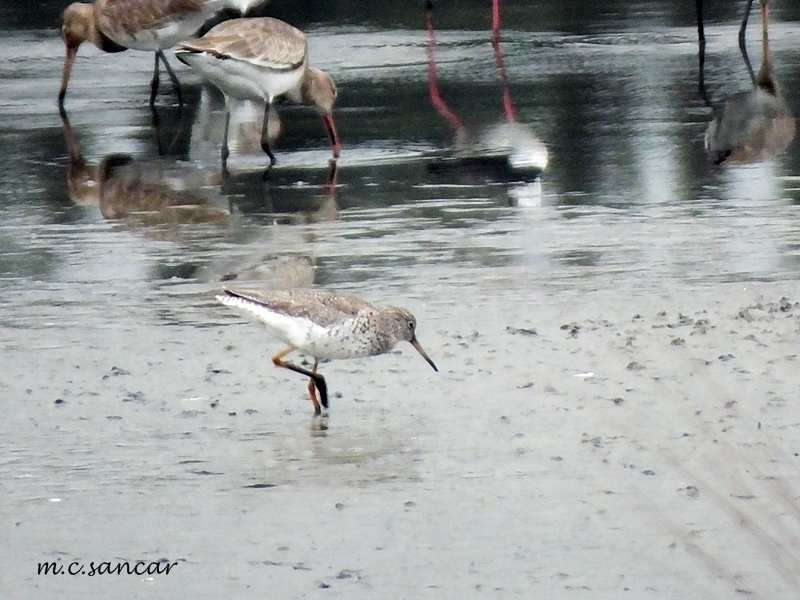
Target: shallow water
x=515 y=470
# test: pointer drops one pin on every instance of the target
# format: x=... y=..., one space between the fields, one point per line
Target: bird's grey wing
x=263 y=41
x=323 y=308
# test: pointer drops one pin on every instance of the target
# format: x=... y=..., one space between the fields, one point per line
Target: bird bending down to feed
x=753 y=125
x=116 y=25
x=261 y=59
x=324 y=325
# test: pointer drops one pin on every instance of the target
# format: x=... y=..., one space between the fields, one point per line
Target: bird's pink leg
x=508 y=107
x=433 y=82
x=495 y=21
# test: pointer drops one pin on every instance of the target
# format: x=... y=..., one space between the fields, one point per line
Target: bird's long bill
x=416 y=345
x=330 y=127
x=71 y=52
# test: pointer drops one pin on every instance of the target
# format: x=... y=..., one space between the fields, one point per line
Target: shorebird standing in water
x=116 y=25
x=261 y=59
x=753 y=125
x=325 y=325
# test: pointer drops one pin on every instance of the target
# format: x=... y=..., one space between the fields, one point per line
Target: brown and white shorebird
x=116 y=25
x=324 y=325
x=753 y=125
x=262 y=59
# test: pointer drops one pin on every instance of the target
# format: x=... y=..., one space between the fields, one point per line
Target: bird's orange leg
x=316 y=379
x=312 y=391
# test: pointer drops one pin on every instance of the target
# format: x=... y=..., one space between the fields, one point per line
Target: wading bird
x=116 y=25
x=261 y=59
x=753 y=125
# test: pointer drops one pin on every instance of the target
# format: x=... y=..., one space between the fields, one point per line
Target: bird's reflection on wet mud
x=753 y=125
x=287 y=196
x=281 y=199
x=142 y=193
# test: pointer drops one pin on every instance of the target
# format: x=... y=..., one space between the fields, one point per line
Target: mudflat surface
x=616 y=412
x=645 y=445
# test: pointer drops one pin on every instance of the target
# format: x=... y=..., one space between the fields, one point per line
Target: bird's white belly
x=338 y=342
x=242 y=79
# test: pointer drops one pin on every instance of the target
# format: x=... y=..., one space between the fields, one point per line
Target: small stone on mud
x=347 y=574
x=215 y=371
x=571 y=328
x=634 y=366
x=60 y=401
x=521 y=331
x=134 y=397
x=682 y=321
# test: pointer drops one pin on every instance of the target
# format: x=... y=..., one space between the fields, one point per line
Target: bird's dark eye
x=411 y=325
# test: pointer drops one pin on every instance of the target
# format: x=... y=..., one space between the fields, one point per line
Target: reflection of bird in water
x=279 y=271
x=324 y=207
x=141 y=193
x=262 y=59
x=274 y=271
x=245 y=129
x=753 y=125
x=116 y=25
x=509 y=144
